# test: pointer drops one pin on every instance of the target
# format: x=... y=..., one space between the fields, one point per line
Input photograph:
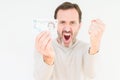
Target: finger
x=42 y=39
x=96 y=26
x=44 y=44
x=92 y=28
x=97 y=32
x=37 y=40
x=39 y=36
x=49 y=47
x=92 y=25
x=100 y=23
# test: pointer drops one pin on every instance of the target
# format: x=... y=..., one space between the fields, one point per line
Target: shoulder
x=82 y=44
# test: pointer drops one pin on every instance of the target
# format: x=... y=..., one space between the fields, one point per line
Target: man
x=67 y=58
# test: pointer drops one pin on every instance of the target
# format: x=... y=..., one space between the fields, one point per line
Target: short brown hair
x=68 y=5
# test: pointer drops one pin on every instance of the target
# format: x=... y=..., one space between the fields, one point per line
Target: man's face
x=68 y=26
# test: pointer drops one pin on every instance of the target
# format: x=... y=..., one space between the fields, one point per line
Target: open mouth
x=67 y=37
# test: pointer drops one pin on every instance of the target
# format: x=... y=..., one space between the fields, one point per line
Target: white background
x=17 y=40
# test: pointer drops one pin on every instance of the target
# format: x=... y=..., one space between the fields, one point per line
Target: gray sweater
x=73 y=63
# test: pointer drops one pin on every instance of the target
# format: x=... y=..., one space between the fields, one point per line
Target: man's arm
x=42 y=70
x=90 y=65
x=44 y=56
x=91 y=56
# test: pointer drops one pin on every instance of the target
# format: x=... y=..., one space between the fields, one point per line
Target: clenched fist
x=96 y=30
x=43 y=44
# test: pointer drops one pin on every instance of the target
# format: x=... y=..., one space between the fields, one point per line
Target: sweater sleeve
x=90 y=65
x=42 y=71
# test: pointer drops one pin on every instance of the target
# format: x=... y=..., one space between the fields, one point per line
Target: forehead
x=70 y=14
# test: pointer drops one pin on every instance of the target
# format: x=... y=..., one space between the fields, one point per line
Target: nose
x=67 y=28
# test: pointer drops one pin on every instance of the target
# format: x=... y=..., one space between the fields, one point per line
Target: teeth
x=67 y=34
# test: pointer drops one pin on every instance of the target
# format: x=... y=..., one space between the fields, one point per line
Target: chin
x=67 y=45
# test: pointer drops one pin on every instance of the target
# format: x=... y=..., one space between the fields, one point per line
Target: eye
x=72 y=22
x=62 y=22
